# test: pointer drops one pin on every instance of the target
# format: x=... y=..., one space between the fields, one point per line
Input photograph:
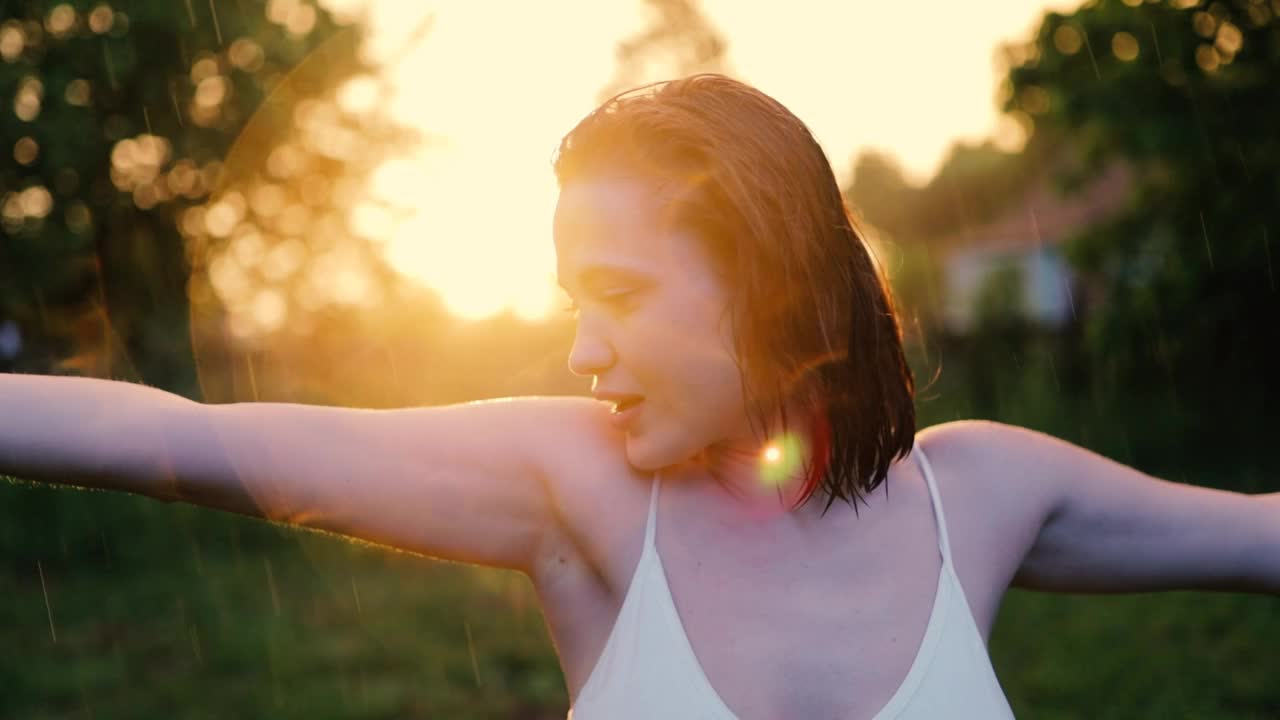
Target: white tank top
x=648 y=668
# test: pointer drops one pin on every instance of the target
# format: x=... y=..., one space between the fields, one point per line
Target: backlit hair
x=812 y=314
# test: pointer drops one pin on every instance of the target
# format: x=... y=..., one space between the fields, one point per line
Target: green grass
x=297 y=625
x=1150 y=655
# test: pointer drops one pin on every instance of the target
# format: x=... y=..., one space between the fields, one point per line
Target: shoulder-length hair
x=812 y=313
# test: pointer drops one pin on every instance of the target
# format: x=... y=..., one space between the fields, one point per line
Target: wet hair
x=812 y=313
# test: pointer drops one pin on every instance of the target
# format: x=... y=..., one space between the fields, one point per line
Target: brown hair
x=812 y=312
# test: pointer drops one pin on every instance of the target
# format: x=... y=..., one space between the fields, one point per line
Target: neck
x=766 y=476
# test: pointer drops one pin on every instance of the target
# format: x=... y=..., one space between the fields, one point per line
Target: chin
x=640 y=456
x=649 y=454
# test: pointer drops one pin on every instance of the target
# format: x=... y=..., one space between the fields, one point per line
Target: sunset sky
x=500 y=82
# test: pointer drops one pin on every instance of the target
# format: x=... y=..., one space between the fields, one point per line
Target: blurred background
x=345 y=202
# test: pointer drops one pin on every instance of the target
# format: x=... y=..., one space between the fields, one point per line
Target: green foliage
x=1184 y=94
x=1000 y=298
x=974 y=185
x=121 y=120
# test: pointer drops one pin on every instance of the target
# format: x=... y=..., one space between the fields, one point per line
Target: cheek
x=698 y=367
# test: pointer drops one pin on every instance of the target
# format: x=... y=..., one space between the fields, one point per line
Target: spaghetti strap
x=944 y=544
x=650 y=525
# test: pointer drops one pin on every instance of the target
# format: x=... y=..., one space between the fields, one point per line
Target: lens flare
x=781 y=459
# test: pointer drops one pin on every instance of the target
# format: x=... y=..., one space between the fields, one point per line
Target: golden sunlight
x=493 y=98
x=493 y=90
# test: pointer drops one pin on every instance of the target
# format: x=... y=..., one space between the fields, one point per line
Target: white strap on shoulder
x=944 y=545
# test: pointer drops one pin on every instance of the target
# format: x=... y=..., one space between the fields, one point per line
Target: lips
x=621 y=400
x=626 y=406
x=625 y=412
x=622 y=406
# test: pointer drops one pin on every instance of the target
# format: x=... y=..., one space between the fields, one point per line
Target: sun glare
x=493 y=91
x=481 y=245
x=492 y=99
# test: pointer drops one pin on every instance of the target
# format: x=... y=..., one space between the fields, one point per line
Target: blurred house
x=1013 y=265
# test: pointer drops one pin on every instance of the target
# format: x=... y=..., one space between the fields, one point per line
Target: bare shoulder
x=571 y=432
x=995 y=502
x=556 y=427
x=983 y=456
x=572 y=442
x=595 y=493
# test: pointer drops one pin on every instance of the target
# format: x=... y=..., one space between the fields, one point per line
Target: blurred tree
x=679 y=40
x=120 y=129
x=1185 y=92
x=975 y=184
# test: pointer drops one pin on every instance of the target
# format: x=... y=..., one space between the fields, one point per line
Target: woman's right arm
x=464 y=482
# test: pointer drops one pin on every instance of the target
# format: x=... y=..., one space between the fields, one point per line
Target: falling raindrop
x=1205 y=231
x=177 y=109
x=253 y=380
x=471 y=647
x=110 y=66
x=217 y=30
x=199 y=559
x=1093 y=60
x=48 y=611
x=271 y=583
x=195 y=643
x=1155 y=42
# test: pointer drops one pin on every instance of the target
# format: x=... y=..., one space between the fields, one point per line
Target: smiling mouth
x=625 y=405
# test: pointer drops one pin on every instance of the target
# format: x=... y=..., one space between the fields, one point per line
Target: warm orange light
x=474 y=204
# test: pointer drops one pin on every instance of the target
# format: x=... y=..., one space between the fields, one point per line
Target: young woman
x=744 y=522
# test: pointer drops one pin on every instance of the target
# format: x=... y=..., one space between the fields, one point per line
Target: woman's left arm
x=1109 y=528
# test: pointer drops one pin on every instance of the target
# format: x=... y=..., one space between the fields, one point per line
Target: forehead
x=614 y=220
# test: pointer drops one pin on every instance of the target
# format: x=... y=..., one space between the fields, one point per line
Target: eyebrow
x=599 y=273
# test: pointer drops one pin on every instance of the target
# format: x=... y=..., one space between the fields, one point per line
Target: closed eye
x=621 y=300
x=616 y=300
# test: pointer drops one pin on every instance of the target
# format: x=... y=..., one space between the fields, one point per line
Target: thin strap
x=943 y=543
x=653 y=512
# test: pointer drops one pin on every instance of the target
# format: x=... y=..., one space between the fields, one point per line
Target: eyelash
x=613 y=299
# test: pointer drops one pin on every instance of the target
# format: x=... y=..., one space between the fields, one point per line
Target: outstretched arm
x=461 y=482
x=1106 y=527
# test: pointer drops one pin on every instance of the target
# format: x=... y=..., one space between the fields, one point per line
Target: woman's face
x=652 y=321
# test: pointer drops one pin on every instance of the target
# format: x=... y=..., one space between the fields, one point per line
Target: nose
x=591 y=354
